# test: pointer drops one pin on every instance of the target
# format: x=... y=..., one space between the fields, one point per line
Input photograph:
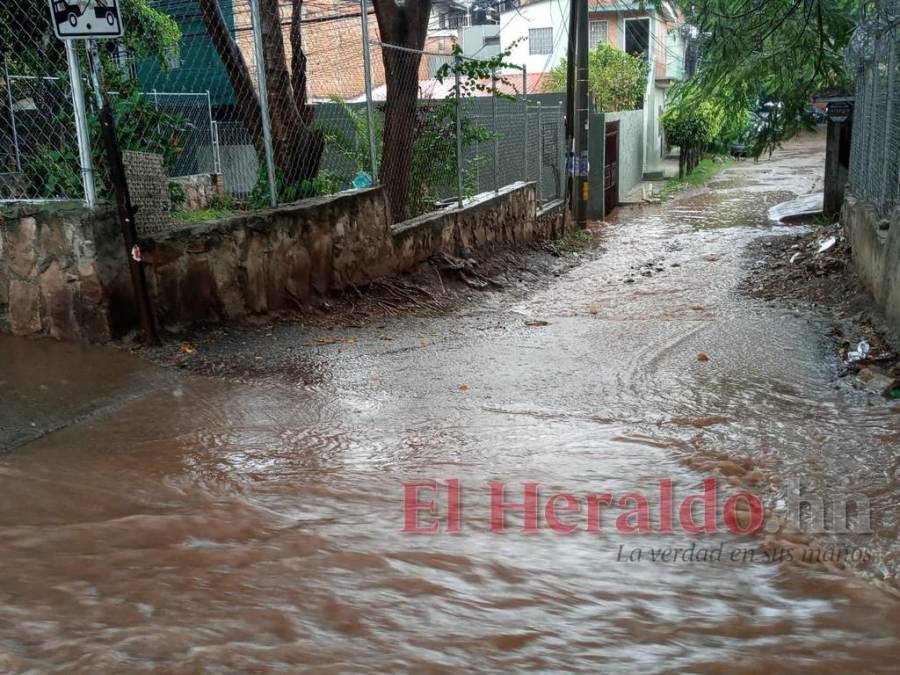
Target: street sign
x=86 y=19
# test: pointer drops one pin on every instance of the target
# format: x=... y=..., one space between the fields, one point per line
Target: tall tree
x=297 y=148
x=768 y=50
x=403 y=27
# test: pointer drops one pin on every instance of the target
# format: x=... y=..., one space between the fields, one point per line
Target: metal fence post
x=12 y=114
x=81 y=128
x=494 y=129
x=263 y=99
x=370 y=107
x=889 y=178
x=540 y=180
x=459 y=157
x=212 y=133
x=525 y=114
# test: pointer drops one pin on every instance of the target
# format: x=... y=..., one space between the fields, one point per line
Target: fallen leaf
x=698 y=308
x=464 y=387
x=423 y=342
x=386 y=337
x=702 y=358
x=711 y=258
x=593 y=309
x=536 y=324
x=187 y=348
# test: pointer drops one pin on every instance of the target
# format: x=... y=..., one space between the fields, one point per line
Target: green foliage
x=693 y=126
x=34 y=50
x=353 y=145
x=150 y=33
x=54 y=171
x=433 y=174
x=176 y=194
x=778 y=50
x=202 y=216
x=478 y=75
x=616 y=79
x=705 y=170
x=323 y=184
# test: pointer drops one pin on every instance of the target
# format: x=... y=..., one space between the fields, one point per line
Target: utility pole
x=570 y=105
x=581 y=116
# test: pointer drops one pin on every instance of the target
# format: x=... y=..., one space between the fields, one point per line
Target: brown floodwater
x=152 y=521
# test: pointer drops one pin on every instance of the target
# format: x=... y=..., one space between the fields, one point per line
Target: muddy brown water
x=155 y=522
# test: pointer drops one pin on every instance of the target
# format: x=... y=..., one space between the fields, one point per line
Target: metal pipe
x=370 y=107
x=494 y=128
x=212 y=134
x=540 y=180
x=263 y=99
x=459 y=157
x=81 y=128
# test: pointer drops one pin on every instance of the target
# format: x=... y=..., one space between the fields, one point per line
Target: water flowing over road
x=155 y=521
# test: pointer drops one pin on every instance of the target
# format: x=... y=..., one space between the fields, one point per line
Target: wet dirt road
x=157 y=522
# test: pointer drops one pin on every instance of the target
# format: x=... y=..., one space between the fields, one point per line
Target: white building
x=537 y=33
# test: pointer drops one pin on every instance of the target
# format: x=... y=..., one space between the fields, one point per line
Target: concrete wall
x=63 y=270
x=631 y=156
x=876 y=254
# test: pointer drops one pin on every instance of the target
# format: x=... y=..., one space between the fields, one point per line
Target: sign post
x=88 y=21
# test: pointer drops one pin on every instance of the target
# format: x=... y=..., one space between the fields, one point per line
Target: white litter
x=827 y=245
x=861 y=352
x=794 y=257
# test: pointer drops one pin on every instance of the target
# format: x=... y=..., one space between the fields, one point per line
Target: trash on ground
x=860 y=353
x=827 y=245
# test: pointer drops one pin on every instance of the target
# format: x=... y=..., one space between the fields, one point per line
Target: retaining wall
x=63 y=270
x=876 y=253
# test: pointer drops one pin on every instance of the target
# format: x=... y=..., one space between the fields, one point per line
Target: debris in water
x=536 y=324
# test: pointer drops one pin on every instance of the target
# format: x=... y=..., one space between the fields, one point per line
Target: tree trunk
x=236 y=67
x=297 y=150
x=403 y=26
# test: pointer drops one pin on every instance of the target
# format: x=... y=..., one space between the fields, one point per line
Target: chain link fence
x=875 y=149
x=260 y=102
x=38 y=147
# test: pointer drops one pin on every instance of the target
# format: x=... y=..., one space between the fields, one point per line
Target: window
x=597 y=33
x=540 y=40
x=492 y=41
x=637 y=37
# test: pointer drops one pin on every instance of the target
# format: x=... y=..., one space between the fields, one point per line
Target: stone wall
x=876 y=254
x=63 y=272
x=60 y=272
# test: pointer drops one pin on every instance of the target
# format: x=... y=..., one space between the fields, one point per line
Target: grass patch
x=575 y=242
x=705 y=170
x=202 y=216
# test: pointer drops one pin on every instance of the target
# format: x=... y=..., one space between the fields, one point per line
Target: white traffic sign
x=86 y=19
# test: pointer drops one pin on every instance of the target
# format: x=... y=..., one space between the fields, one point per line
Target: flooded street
x=154 y=521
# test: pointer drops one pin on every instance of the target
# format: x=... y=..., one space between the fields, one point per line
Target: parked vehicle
x=104 y=11
x=67 y=12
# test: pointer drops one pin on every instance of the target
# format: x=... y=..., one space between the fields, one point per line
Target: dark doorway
x=611 y=169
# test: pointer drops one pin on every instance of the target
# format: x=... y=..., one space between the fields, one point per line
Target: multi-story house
x=537 y=33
